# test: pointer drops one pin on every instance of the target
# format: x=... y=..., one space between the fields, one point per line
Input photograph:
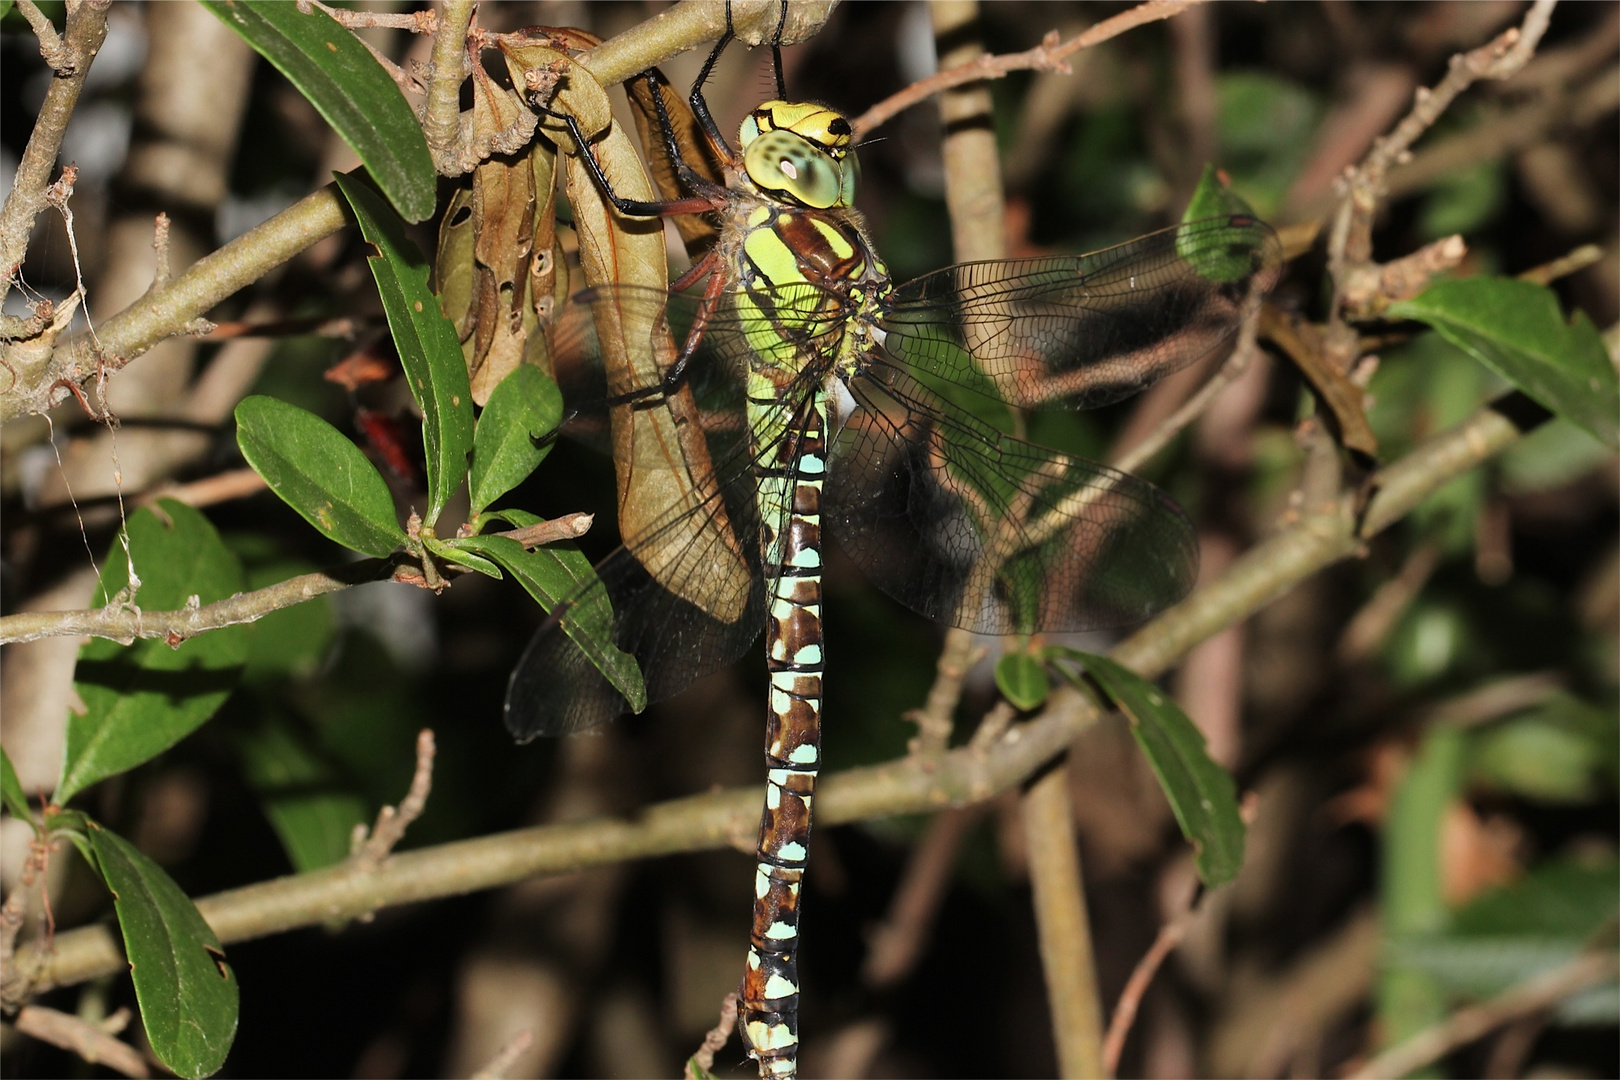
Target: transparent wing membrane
x=926 y=491
x=977 y=529
x=686 y=591
x=1076 y=332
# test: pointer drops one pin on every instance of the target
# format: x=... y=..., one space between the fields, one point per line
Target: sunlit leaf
x=524 y=407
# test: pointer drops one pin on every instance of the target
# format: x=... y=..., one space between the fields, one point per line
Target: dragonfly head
x=800 y=152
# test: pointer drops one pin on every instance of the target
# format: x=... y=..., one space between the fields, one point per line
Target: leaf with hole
x=187 y=994
x=349 y=88
x=428 y=348
x=141 y=699
x=1516 y=329
x=319 y=473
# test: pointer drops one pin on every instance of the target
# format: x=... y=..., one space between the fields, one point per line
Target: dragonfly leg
x=694 y=336
x=697 y=204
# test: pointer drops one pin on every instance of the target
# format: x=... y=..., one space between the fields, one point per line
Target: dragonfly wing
x=1080 y=331
x=974 y=528
x=686 y=599
x=686 y=592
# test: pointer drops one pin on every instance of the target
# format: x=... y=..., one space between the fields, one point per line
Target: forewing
x=686 y=591
x=1077 y=332
x=974 y=528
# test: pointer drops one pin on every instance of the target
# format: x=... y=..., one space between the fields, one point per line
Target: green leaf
x=452 y=551
x=141 y=699
x=5 y=7
x=319 y=473
x=302 y=793
x=1022 y=680
x=347 y=86
x=1214 y=259
x=427 y=344
x=524 y=407
x=551 y=576
x=11 y=790
x=187 y=993
x=1201 y=793
x=1516 y=329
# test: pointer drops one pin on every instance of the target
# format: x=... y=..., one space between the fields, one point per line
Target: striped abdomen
x=790 y=477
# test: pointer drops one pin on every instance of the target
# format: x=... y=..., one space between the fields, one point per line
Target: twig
x=170 y=310
x=80 y=1037
x=907 y=785
x=505 y=1057
x=1465 y=1025
x=441 y=114
x=391 y=823
x=1049 y=55
x=1130 y=999
x=1377 y=617
x=893 y=947
x=715 y=1040
x=1058 y=892
x=1564 y=265
x=86 y=30
x=425 y=21
x=209 y=491
x=566 y=527
x=1352 y=232
x=1494 y=700
x=52 y=48
x=127 y=624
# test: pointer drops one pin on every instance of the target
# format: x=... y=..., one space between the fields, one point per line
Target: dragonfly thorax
x=800 y=152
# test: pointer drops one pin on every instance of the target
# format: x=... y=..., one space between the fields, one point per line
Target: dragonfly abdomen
x=790 y=486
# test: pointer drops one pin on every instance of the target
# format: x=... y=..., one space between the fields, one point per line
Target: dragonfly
x=832 y=402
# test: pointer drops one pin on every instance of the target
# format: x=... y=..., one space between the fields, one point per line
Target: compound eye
x=782 y=162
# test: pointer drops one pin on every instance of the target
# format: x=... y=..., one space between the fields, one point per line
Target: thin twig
x=1064 y=931
x=127 y=623
x=88 y=1041
x=1351 y=241
x=1050 y=55
x=1465 y=1025
x=713 y=1042
x=894 y=946
x=52 y=48
x=907 y=785
x=369 y=852
x=86 y=30
x=425 y=21
x=1130 y=999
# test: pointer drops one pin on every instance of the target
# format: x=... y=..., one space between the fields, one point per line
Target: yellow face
x=801 y=152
